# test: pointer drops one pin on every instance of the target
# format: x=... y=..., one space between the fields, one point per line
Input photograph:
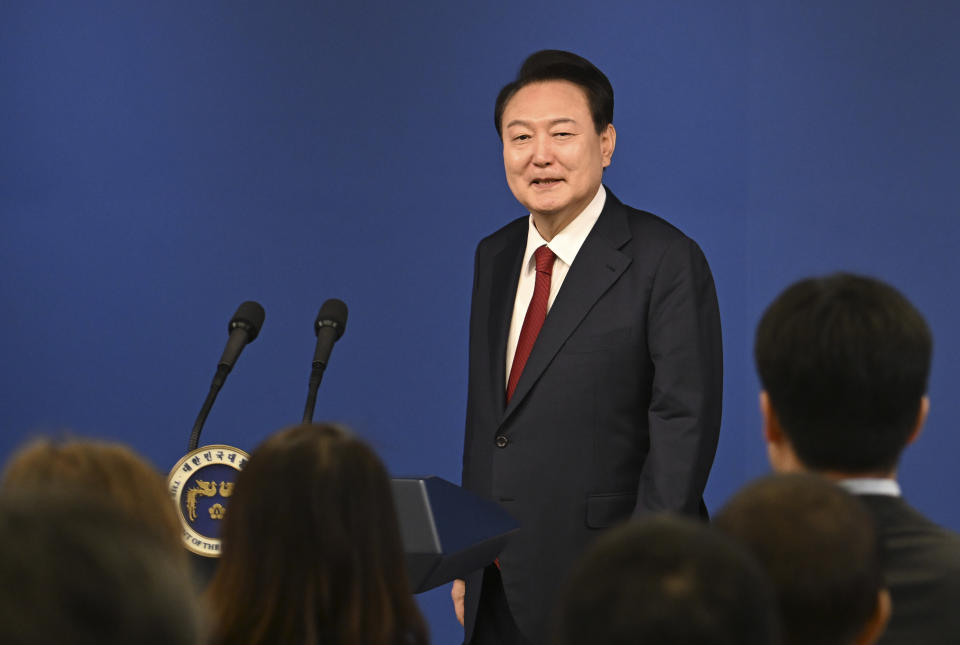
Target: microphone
x=243 y=329
x=329 y=326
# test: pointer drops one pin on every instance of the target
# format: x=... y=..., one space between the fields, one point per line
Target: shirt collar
x=566 y=244
x=871 y=486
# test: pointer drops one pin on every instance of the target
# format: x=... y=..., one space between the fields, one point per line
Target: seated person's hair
x=844 y=360
x=311 y=549
x=108 y=471
x=819 y=547
x=667 y=580
x=77 y=572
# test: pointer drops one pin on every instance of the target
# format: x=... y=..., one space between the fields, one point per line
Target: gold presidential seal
x=201 y=484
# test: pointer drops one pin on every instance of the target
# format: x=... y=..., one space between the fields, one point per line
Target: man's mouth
x=546 y=181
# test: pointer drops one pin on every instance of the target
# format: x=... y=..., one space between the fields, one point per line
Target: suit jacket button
x=501 y=441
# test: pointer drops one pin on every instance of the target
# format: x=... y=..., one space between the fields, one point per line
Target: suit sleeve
x=467 y=478
x=685 y=345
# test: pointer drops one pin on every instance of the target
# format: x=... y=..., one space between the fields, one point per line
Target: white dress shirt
x=871 y=486
x=565 y=245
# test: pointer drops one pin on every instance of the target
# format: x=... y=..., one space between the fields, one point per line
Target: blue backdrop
x=162 y=162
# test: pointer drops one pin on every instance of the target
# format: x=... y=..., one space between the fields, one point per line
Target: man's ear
x=608 y=141
x=921 y=419
x=772 y=431
x=780 y=451
x=877 y=622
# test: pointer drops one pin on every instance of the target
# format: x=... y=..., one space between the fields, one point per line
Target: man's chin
x=547 y=207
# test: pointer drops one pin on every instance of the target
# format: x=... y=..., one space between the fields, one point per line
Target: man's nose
x=543 y=151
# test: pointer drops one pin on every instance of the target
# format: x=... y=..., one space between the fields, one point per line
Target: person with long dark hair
x=109 y=471
x=311 y=548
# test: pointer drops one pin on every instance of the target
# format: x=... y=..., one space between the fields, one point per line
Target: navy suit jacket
x=617 y=411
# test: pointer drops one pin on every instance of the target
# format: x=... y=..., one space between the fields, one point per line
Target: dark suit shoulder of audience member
x=111 y=472
x=921 y=562
x=76 y=572
x=311 y=548
x=667 y=579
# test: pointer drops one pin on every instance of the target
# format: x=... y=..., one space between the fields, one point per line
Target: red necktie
x=536 y=313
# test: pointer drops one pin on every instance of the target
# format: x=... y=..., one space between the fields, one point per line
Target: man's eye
x=521 y=137
x=563 y=135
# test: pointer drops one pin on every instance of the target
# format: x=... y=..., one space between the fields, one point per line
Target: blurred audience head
x=108 y=471
x=819 y=547
x=667 y=580
x=76 y=571
x=843 y=361
x=311 y=548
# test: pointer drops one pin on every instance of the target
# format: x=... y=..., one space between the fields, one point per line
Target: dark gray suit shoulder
x=921 y=565
x=901 y=525
x=512 y=233
x=647 y=224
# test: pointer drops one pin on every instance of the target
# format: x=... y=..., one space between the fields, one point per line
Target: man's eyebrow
x=552 y=123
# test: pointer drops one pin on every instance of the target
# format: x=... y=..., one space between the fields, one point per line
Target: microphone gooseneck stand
x=218 y=380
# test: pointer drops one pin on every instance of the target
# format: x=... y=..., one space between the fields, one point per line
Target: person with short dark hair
x=311 y=548
x=78 y=571
x=558 y=65
x=844 y=362
x=595 y=369
x=667 y=580
x=819 y=547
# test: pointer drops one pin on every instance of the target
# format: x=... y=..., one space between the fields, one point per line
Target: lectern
x=447 y=531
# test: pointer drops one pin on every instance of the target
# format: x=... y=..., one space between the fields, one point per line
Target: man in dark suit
x=844 y=362
x=607 y=406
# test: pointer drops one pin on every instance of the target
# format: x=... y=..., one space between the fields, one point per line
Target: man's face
x=552 y=154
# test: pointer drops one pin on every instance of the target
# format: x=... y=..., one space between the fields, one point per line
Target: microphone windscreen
x=250 y=316
x=333 y=313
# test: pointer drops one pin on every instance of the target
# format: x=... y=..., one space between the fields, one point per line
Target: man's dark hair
x=844 y=360
x=77 y=572
x=667 y=580
x=559 y=65
x=818 y=545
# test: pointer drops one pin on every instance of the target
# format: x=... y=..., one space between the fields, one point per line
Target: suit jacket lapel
x=504 y=276
x=598 y=264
